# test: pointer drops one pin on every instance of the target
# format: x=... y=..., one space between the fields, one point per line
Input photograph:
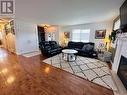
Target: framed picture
x=7 y=30
x=100 y=34
x=12 y=27
x=9 y=27
x=67 y=35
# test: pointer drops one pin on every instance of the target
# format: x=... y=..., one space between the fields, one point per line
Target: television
x=123 y=16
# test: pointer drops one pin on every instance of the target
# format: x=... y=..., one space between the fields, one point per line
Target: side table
x=105 y=56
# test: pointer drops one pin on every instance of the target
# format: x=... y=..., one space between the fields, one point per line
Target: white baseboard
x=31 y=54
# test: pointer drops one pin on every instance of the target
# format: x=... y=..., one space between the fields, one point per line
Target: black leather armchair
x=50 y=48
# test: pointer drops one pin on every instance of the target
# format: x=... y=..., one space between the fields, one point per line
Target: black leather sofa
x=84 y=49
x=50 y=48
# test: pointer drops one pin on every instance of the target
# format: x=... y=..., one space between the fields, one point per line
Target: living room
x=69 y=48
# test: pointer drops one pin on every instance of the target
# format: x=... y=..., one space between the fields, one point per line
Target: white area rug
x=31 y=54
x=87 y=68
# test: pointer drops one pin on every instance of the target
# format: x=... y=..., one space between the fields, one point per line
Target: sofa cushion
x=47 y=48
x=54 y=50
x=53 y=44
x=45 y=43
x=84 y=47
x=83 y=51
x=71 y=45
x=79 y=45
x=74 y=45
x=77 y=49
x=89 y=47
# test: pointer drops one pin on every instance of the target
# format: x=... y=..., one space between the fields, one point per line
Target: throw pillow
x=84 y=47
x=89 y=47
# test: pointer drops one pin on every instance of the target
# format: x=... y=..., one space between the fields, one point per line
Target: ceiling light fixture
x=46 y=25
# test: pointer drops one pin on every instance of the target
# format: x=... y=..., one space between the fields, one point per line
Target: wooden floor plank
x=30 y=76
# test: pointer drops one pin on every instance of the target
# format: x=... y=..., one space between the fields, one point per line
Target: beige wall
x=3 y=35
x=10 y=42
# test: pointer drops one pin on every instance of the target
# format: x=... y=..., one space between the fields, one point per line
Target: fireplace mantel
x=121 y=43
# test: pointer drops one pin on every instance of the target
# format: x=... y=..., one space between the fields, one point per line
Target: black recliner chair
x=50 y=48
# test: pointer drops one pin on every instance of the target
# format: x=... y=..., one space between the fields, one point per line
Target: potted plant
x=112 y=37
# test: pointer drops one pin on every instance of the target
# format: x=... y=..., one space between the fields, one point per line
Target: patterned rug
x=91 y=69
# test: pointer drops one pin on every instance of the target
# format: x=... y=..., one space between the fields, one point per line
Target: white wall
x=121 y=50
x=26 y=37
x=93 y=27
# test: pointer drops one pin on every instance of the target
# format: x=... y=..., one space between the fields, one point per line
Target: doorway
x=41 y=34
x=7 y=34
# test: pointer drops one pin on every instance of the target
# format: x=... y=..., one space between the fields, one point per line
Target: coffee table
x=69 y=54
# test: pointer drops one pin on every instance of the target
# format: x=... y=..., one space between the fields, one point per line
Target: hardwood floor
x=29 y=76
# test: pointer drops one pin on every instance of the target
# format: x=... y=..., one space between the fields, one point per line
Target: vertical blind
x=80 y=35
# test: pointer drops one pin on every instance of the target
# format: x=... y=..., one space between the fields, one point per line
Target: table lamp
x=106 y=40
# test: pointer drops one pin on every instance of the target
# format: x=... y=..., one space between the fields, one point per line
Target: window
x=116 y=23
x=80 y=35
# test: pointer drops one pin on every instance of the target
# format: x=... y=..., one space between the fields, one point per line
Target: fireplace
x=122 y=71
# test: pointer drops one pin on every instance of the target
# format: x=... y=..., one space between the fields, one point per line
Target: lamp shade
x=106 y=40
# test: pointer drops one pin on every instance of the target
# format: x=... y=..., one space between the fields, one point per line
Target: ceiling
x=67 y=12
